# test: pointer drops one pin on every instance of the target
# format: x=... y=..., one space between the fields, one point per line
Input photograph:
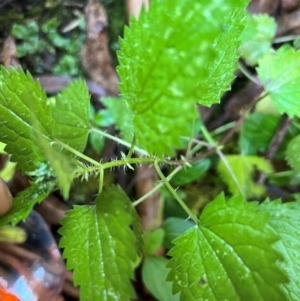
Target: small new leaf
x=285 y=221
x=257 y=36
x=23 y=203
x=237 y=172
x=104 y=263
x=229 y=256
x=279 y=73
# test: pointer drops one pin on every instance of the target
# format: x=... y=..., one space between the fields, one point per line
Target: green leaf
x=138 y=231
x=251 y=140
x=122 y=115
x=192 y=173
x=26 y=115
x=104 y=117
x=174 y=226
x=221 y=69
x=70 y=110
x=23 y=203
x=292 y=153
x=101 y=247
x=239 y=177
x=62 y=166
x=260 y=29
x=285 y=221
x=162 y=82
x=229 y=256
x=154 y=274
x=153 y=240
x=280 y=75
x=18 y=94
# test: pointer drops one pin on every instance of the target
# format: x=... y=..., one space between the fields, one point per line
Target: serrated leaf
x=162 y=82
x=154 y=274
x=70 y=110
x=292 y=153
x=280 y=75
x=26 y=114
x=229 y=256
x=174 y=226
x=101 y=247
x=285 y=221
x=104 y=118
x=63 y=167
x=221 y=69
x=25 y=200
x=18 y=92
x=240 y=178
x=260 y=29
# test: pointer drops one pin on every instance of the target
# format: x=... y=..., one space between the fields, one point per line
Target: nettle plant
x=176 y=55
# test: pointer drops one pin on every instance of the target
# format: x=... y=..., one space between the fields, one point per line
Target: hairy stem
x=175 y=195
x=131 y=147
x=208 y=136
x=78 y=154
x=126 y=161
x=120 y=141
x=158 y=186
x=101 y=180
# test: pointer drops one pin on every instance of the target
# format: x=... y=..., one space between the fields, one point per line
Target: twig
x=248 y=74
x=275 y=143
x=278 y=138
x=227 y=136
x=175 y=195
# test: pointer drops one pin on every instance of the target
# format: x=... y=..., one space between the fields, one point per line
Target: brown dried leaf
x=95 y=55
